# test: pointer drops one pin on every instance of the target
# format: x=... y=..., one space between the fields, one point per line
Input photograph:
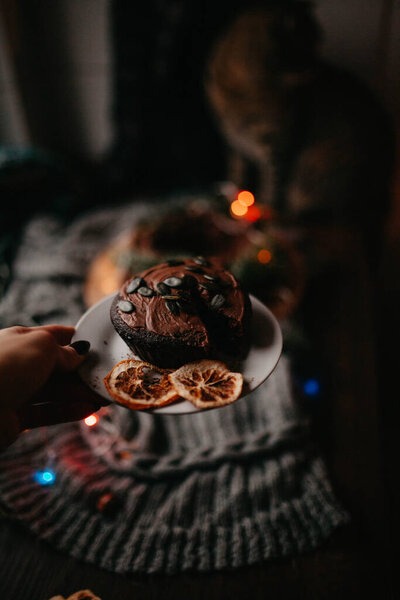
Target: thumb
x=70 y=357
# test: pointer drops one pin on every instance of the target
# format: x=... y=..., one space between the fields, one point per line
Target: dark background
x=102 y=101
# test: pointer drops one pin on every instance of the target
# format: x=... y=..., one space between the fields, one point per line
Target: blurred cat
x=309 y=138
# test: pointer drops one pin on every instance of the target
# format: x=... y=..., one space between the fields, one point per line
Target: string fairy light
x=264 y=256
x=244 y=206
x=311 y=387
x=245 y=198
x=91 y=420
x=46 y=477
x=238 y=209
x=253 y=213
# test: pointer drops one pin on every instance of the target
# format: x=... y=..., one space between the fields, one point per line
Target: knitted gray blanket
x=142 y=493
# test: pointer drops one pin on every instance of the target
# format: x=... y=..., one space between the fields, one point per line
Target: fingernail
x=81 y=347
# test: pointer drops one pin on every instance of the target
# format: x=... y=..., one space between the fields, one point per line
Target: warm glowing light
x=253 y=213
x=91 y=420
x=238 y=209
x=246 y=198
x=45 y=477
x=264 y=256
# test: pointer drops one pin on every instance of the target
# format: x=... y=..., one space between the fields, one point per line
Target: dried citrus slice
x=137 y=384
x=207 y=383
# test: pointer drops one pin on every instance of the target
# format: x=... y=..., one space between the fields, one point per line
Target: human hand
x=37 y=383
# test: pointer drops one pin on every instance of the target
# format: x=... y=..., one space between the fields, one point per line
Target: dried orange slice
x=207 y=383
x=137 y=384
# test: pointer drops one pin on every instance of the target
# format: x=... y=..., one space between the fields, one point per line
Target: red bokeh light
x=264 y=256
x=91 y=420
x=253 y=213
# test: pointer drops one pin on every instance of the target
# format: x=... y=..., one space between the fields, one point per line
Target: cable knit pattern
x=213 y=490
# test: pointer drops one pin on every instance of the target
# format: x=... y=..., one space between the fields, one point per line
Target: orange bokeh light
x=238 y=209
x=264 y=256
x=246 y=198
x=91 y=420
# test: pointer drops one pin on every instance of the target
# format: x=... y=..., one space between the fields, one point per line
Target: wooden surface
x=339 y=310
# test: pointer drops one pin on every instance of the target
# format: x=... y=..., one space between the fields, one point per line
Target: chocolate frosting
x=152 y=314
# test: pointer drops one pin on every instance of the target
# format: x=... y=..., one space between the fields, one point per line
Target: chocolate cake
x=183 y=310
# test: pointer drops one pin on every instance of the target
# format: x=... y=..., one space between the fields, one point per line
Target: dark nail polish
x=81 y=347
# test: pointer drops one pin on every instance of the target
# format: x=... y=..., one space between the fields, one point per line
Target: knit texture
x=213 y=490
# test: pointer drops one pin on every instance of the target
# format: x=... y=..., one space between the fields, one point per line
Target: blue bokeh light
x=45 y=477
x=311 y=387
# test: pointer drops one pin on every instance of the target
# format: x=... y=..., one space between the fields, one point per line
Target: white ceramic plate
x=107 y=349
